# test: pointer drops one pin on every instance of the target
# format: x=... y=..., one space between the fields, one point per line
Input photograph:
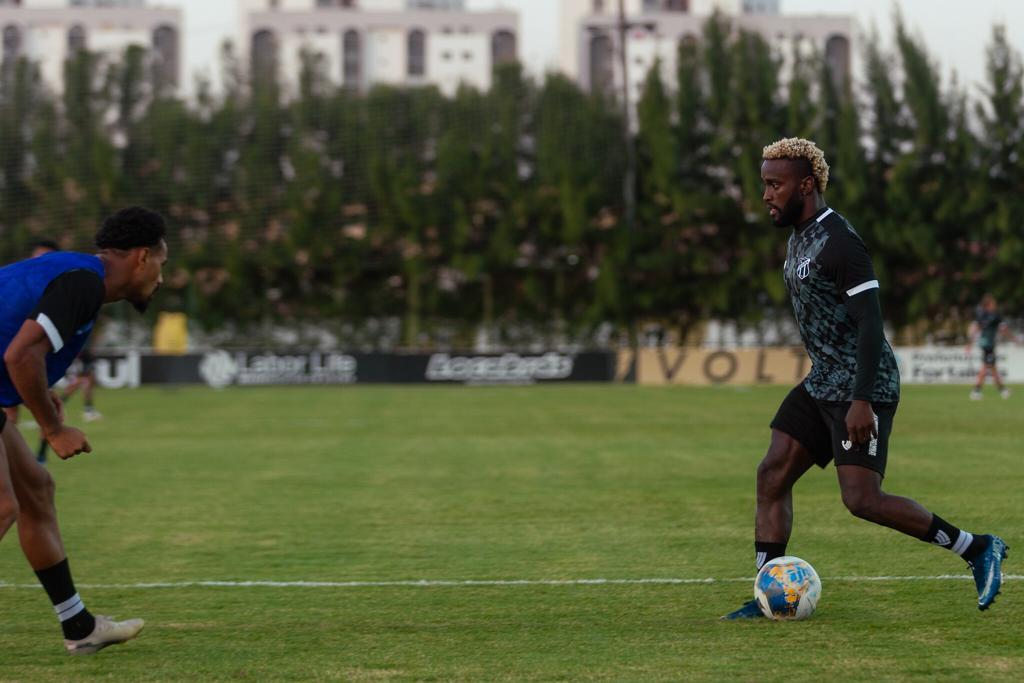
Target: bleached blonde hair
x=798 y=148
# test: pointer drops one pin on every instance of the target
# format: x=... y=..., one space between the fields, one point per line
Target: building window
x=77 y=40
x=12 y=50
x=352 y=51
x=12 y=43
x=837 y=56
x=417 y=57
x=456 y=5
x=503 y=47
x=602 y=65
x=165 y=45
x=264 y=55
x=666 y=5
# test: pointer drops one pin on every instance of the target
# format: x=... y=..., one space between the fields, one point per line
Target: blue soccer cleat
x=987 y=568
x=748 y=611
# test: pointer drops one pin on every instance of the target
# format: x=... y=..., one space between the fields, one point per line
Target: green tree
x=996 y=245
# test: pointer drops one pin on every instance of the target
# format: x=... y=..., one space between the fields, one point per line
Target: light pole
x=629 y=180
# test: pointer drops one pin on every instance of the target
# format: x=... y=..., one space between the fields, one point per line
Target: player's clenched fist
x=68 y=442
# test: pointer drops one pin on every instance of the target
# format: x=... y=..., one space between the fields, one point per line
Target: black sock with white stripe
x=75 y=620
x=766 y=552
x=961 y=542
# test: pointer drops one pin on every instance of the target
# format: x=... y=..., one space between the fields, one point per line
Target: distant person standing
x=41 y=247
x=988 y=325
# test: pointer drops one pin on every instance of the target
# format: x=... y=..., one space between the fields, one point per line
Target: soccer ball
x=787 y=588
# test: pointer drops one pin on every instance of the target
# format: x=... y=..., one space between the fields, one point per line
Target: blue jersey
x=22 y=286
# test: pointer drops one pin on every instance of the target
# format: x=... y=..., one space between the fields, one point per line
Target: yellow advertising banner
x=704 y=367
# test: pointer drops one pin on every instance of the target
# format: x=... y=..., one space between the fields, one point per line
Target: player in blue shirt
x=50 y=305
x=38 y=248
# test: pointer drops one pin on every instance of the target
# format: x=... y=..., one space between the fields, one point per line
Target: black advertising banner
x=263 y=368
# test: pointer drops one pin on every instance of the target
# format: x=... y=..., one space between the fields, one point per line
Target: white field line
x=428 y=583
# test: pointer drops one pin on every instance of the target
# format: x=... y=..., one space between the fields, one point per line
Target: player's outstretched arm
x=25 y=359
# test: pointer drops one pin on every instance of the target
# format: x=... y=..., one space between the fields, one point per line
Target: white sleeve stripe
x=51 y=331
x=870 y=284
x=824 y=215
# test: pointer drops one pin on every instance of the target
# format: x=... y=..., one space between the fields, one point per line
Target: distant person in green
x=988 y=325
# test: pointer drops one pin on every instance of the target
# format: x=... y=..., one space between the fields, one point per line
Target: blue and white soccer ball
x=787 y=588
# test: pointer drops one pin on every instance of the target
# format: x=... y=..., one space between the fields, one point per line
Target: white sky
x=955 y=31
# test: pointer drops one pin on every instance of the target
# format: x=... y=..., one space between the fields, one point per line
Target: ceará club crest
x=803 y=269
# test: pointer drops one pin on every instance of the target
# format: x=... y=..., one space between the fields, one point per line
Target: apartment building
x=591 y=51
x=366 y=42
x=49 y=31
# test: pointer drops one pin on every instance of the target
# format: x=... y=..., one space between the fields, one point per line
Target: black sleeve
x=846 y=260
x=71 y=300
x=866 y=311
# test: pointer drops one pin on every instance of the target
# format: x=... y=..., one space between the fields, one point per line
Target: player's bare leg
x=863 y=496
x=39 y=534
x=1004 y=391
x=88 y=387
x=782 y=466
x=37 y=517
x=979 y=382
x=8 y=501
x=71 y=389
x=12 y=414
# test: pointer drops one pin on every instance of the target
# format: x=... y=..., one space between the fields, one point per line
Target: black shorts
x=88 y=359
x=988 y=356
x=820 y=427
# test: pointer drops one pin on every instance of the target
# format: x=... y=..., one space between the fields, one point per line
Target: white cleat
x=107 y=632
x=975 y=395
x=1005 y=392
x=92 y=415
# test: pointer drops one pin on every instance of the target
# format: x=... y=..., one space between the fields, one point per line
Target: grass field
x=392 y=484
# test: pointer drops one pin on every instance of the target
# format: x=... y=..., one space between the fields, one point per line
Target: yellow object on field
x=170 y=335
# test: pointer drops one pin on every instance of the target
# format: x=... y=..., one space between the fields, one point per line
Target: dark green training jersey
x=826 y=264
x=988 y=324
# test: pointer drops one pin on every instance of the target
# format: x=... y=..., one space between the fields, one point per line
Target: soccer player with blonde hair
x=843 y=411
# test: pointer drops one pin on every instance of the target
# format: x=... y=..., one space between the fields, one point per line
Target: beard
x=143 y=305
x=789 y=214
